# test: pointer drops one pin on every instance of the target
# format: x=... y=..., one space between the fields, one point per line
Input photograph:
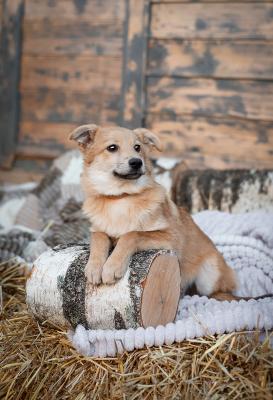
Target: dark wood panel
x=210 y=97
x=69 y=106
x=216 y=143
x=134 y=63
x=222 y=59
x=73 y=72
x=212 y=20
x=74 y=8
x=10 y=46
x=57 y=36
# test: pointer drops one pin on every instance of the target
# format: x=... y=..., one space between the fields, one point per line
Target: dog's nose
x=135 y=163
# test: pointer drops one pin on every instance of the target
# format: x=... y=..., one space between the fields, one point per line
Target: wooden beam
x=10 y=45
x=133 y=99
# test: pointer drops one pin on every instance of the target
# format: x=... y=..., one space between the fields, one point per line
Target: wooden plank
x=44 y=139
x=245 y=99
x=57 y=36
x=76 y=72
x=208 y=1
x=132 y=103
x=69 y=106
x=75 y=8
x=216 y=143
x=26 y=171
x=231 y=20
x=221 y=59
x=10 y=46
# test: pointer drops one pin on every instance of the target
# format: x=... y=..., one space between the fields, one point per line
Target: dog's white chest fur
x=121 y=216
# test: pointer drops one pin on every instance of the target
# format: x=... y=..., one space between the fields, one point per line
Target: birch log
x=235 y=191
x=147 y=295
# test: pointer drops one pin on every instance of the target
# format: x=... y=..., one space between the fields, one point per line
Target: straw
x=38 y=362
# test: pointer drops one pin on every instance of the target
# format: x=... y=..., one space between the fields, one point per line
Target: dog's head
x=116 y=160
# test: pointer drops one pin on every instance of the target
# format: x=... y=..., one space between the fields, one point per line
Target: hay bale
x=38 y=362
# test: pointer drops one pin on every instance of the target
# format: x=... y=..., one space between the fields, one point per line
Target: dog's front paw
x=110 y=272
x=93 y=273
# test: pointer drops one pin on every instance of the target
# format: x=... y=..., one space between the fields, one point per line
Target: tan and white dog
x=129 y=210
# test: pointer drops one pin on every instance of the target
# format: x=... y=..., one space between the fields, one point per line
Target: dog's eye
x=112 y=148
x=137 y=147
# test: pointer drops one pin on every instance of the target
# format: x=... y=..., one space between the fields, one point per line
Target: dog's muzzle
x=135 y=171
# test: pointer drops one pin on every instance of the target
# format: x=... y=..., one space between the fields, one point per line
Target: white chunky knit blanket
x=246 y=241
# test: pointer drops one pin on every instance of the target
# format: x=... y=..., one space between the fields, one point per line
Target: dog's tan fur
x=138 y=214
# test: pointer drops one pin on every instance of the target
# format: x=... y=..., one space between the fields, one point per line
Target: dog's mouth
x=130 y=175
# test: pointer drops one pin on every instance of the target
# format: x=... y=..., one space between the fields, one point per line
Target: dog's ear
x=84 y=135
x=149 y=138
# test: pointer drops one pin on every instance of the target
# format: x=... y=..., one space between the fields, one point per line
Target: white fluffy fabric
x=246 y=241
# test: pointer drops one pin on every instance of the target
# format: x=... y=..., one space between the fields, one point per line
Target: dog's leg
x=100 y=246
x=117 y=263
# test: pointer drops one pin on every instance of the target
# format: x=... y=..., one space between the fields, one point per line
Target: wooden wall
x=210 y=80
x=71 y=70
x=199 y=73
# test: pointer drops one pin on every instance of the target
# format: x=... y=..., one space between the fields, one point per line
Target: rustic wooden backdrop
x=200 y=73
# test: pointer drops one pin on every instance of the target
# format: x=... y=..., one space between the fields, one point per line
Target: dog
x=130 y=211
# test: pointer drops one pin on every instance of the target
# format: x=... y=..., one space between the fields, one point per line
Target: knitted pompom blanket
x=246 y=241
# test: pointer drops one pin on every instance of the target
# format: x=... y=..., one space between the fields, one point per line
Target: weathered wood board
x=10 y=49
x=245 y=59
x=210 y=1
x=44 y=139
x=221 y=97
x=71 y=72
x=62 y=37
x=133 y=85
x=57 y=105
x=216 y=142
x=97 y=9
x=230 y=20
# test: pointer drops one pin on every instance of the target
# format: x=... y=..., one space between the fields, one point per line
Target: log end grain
x=161 y=291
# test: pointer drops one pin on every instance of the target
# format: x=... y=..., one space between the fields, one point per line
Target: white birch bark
x=57 y=290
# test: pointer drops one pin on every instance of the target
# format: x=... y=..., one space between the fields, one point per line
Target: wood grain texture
x=78 y=35
x=42 y=137
x=10 y=47
x=160 y=300
x=231 y=20
x=60 y=105
x=73 y=72
x=220 y=59
x=216 y=142
x=245 y=99
x=74 y=8
x=208 y=1
x=132 y=102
